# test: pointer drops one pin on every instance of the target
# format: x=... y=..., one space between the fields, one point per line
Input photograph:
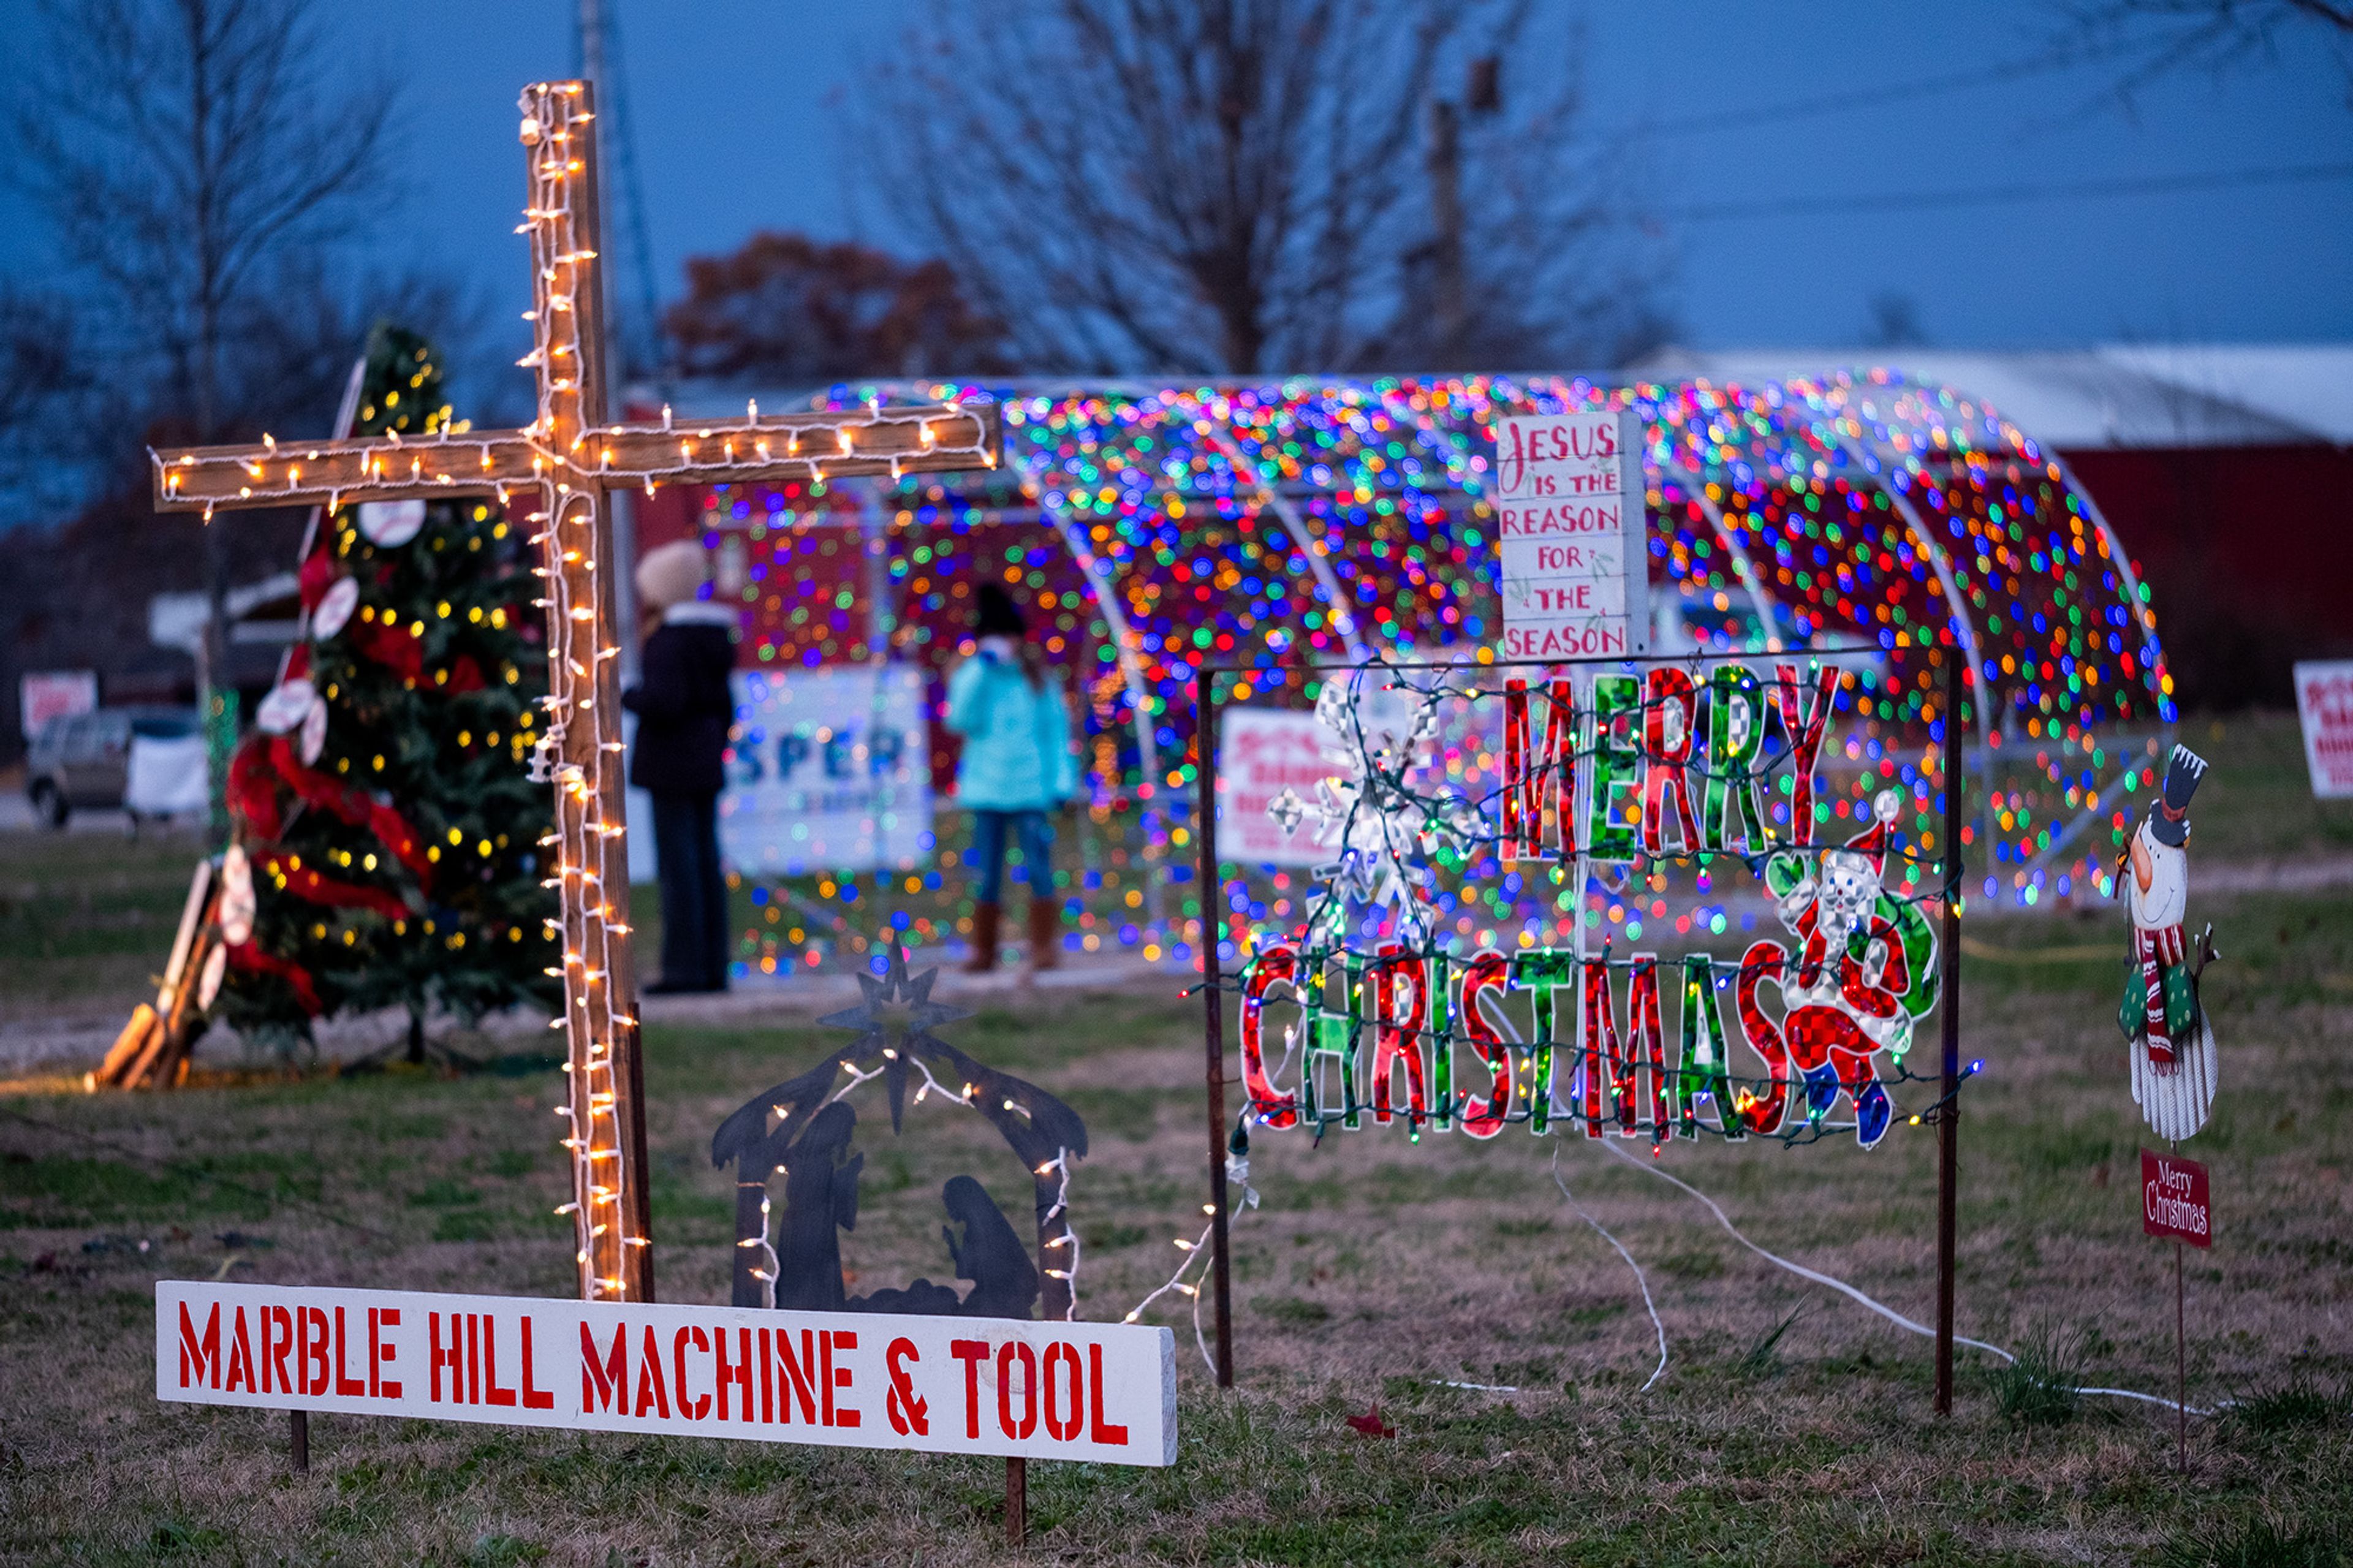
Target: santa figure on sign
x=2173 y=1044
x=1865 y=970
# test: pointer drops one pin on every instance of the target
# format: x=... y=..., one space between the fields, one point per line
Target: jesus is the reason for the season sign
x=1569 y=498
x=1099 y=1392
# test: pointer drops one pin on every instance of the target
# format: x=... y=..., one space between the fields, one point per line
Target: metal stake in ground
x=567 y=458
x=1205 y=814
x=1017 y=1500
x=1948 y=1110
x=2180 y=1354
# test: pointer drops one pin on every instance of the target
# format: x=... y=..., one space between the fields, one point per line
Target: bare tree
x=1240 y=184
x=184 y=150
x=2173 y=36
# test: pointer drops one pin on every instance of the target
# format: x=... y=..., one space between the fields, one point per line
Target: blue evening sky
x=737 y=120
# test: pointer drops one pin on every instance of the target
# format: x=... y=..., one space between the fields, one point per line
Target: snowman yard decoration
x=2171 y=1039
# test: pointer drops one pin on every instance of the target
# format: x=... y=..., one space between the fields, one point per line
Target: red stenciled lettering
x=277 y=1344
x=388 y=1352
x=454 y=1358
x=474 y=1357
x=1063 y=1428
x=373 y=1350
x=1100 y=1430
x=311 y=1331
x=533 y=1397
x=797 y=1379
x=838 y=1377
x=1014 y=1352
x=972 y=1353
x=767 y=1380
x=690 y=1406
x=652 y=1394
x=491 y=1390
x=345 y=1387
x=737 y=1372
x=203 y=1352
x=908 y=1412
x=605 y=1383
x=240 y=1357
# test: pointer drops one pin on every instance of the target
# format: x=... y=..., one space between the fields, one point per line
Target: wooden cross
x=570 y=456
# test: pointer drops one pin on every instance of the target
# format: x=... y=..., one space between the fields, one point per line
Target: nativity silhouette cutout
x=804 y=1129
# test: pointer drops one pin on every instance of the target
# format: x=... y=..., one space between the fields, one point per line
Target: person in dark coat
x=685 y=709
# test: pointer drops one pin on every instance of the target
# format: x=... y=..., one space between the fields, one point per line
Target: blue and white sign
x=830 y=770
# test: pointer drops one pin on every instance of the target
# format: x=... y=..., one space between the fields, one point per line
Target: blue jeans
x=693 y=890
x=1035 y=836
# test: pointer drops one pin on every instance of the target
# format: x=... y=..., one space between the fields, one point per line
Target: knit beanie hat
x=673 y=574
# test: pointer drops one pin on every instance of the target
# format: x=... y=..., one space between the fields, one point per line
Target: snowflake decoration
x=1368 y=809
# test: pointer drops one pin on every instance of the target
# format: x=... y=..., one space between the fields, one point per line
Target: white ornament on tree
x=287 y=706
x=391 y=523
x=336 y=605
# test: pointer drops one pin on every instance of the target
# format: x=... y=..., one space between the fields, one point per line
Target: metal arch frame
x=2083 y=818
x=1271 y=499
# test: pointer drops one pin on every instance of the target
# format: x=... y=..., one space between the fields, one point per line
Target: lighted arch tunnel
x=1263 y=525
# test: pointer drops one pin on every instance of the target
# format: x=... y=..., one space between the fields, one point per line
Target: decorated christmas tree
x=386 y=821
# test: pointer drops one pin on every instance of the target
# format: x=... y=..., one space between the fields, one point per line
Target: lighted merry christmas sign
x=1630 y=766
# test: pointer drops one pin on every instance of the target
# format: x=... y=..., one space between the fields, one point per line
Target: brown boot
x=985 y=918
x=1045 y=934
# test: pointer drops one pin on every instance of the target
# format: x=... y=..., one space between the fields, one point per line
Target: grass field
x=1791 y=1427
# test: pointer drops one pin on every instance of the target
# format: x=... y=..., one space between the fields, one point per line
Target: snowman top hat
x=2168 y=814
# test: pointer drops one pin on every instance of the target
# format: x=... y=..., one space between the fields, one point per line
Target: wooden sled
x=155 y=1047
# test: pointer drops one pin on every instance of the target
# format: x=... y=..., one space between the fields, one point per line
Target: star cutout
x=895 y=1018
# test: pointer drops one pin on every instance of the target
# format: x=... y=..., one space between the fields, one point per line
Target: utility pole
x=1449 y=307
x=1449 y=287
x=633 y=339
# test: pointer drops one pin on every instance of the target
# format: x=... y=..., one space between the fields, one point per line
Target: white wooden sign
x=829 y=770
x=2324 y=701
x=1099 y=1392
x=1568 y=498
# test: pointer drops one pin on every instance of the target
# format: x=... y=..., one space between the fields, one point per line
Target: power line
x=1996 y=195
x=1874 y=97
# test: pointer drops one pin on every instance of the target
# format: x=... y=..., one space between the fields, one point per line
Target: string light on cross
x=569 y=456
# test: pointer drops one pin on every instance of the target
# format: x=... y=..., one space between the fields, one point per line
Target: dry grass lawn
x=1791 y=1427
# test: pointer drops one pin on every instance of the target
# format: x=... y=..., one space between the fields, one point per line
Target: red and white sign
x=2173 y=1201
x=1569 y=507
x=1261 y=752
x=1100 y=1392
x=55 y=694
x=2323 y=700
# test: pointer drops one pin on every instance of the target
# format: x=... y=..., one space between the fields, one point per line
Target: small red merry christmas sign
x=1106 y=1392
x=2173 y=1201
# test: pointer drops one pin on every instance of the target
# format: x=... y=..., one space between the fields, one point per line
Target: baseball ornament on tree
x=2172 y=1041
x=288 y=704
x=314 y=734
x=335 y=607
x=390 y=524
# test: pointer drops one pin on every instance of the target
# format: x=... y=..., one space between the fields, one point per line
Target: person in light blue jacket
x=1017 y=766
